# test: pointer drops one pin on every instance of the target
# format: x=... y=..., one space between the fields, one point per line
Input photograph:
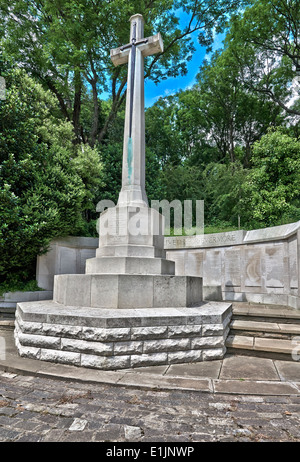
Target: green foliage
x=65 y=46
x=15 y=285
x=271 y=192
x=61 y=149
x=44 y=179
x=222 y=186
x=265 y=40
x=205 y=138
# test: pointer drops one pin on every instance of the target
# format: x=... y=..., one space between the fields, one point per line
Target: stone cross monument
x=133 y=174
x=129 y=309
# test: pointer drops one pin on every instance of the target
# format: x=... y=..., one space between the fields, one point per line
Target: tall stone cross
x=133 y=171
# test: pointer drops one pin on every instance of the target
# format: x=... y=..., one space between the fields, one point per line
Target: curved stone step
x=257 y=328
x=7 y=324
x=266 y=312
x=256 y=344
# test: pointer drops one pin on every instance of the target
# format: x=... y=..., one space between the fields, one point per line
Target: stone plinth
x=118 y=339
x=119 y=291
x=130 y=265
x=131 y=226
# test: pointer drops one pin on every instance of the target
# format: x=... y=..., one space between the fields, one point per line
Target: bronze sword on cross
x=133 y=172
x=134 y=43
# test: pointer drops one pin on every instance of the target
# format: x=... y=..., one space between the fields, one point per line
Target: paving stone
x=288 y=371
x=132 y=433
x=204 y=369
x=254 y=387
x=250 y=368
x=78 y=425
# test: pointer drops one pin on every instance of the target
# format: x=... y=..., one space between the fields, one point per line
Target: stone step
x=7 y=306
x=264 y=329
x=267 y=346
x=130 y=265
x=7 y=310
x=260 y=344
x=7 y=324
x=266 y=313
x=130 y=251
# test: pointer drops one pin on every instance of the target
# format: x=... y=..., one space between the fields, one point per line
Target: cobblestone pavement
x=34 y=409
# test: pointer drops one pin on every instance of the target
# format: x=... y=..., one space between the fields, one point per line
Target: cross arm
x=119 y=55
x=148 y=46
x=152 y=45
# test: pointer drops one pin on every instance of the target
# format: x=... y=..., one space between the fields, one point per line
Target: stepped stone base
x=130 y=251
x=121 y=339
x=122 y=291
x=130 y=265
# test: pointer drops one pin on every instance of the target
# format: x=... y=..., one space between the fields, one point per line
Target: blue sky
x=170 y=86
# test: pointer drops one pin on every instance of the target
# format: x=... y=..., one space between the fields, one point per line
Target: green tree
x=163 y=135
x=66 y=44
x=44 y=185
x=271 y=192
x=265 y=41
x=234 y=117
x=222 y=188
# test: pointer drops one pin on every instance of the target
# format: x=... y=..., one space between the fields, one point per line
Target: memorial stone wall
x=259 y=266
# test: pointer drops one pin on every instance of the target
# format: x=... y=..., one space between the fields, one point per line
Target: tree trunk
x=95 y=125
x=77 y=105
x=118 y=100
x=231 y=143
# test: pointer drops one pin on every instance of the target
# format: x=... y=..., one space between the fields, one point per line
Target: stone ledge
x=54 y=313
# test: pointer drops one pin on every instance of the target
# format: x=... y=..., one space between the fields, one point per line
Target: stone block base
x=123 y=291
x=114 y=339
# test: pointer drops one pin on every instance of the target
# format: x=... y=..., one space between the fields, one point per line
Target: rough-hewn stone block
x=148 y=359
x=147 y=333
x=29 y=327
x=64 y=357
x=82 y=346
x=207 y=342
x=184 y=331
x=60 y=330
x=185 y=356
x=123 y=348
x=105 y=335
x=39 y=341
x=166 y=345
x=106 y=363
x=212 y=329
x=210 y=355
